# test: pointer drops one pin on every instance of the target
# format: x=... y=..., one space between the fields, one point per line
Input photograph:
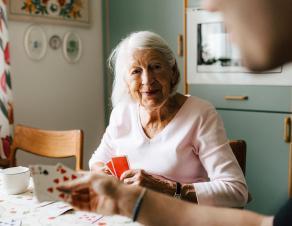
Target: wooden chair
x=239 y=150
x=48 y=143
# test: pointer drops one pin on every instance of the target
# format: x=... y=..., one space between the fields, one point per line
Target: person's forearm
x=158 y=209
x=165 y=186
x=188 y=192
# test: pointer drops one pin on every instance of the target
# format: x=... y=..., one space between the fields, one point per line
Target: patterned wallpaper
x=6 y=107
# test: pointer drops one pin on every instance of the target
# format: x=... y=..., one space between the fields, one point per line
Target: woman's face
x=149 y=78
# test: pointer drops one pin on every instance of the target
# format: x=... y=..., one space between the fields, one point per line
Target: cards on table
x=47 y=178
x=10 y=222
x=55 y=209
x=117 y=165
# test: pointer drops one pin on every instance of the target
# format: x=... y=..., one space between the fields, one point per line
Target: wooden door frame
x=186 y=87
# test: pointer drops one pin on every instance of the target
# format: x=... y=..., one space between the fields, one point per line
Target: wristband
x=138 y=204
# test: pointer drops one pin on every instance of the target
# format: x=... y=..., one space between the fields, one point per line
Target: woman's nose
x=147 y=78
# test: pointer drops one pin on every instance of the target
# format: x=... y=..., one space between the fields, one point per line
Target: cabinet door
x=267 y=156
x=164 y=17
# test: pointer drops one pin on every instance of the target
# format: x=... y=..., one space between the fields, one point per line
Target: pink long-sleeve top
x=192 y=148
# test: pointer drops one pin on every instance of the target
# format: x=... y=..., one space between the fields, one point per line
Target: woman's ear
x=175 y=75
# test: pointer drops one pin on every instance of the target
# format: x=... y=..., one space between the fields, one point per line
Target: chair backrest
x=239 y=150
x=48 y=143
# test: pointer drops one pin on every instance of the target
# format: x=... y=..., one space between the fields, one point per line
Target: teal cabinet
x=259 y=121
x=267 y=156
x=164 y=17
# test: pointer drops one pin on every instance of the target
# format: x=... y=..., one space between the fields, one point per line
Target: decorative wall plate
x=72 y=47
x=35 y=42
x=55 y=42
x=53 y=7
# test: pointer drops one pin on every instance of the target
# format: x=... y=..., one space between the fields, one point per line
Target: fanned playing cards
x=47 y=178
x=117 y=165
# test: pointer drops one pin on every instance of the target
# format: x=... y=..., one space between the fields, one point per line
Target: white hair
x=121 y=56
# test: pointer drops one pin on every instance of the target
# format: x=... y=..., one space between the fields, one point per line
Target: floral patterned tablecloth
x=24 y=207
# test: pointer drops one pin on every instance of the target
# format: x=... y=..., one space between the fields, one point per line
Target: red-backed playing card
x=110 y=166
x=120 y=164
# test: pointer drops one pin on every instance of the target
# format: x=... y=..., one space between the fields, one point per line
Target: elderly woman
x=175 y=144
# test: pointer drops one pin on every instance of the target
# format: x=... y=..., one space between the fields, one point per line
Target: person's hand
x=154 y=182
x=94 y=192
x=210 y=5
x=100 y=168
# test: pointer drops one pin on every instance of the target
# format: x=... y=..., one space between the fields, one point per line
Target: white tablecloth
x=25 y=208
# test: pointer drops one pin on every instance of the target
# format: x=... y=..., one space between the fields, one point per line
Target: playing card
x=42 y=204
x=67 y=174
x=46 y=180
x=120 y=164
x=10 y=222
x=55 y=209
x=85 y=217
x=110 y=167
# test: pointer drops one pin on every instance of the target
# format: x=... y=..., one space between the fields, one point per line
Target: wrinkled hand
x=101 y=168
x=142 y=178
x=94 y=192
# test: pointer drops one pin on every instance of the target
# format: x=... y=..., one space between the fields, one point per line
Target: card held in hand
x=120 y=164
x=110 y=167
x=47 y=178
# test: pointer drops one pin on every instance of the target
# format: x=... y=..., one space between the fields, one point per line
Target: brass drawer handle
x=287 y=129
x=180 y=45
x=236 y=97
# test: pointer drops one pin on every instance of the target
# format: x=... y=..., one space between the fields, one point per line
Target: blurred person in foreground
x=262 y=30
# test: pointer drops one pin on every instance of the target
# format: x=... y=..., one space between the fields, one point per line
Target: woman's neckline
x=173 y=119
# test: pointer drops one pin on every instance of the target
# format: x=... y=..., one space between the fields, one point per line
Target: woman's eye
x=135 y=72
x=156 y=66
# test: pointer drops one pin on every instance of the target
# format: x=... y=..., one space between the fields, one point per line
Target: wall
x=53 y=94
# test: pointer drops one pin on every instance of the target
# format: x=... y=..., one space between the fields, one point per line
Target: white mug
x=15 y=179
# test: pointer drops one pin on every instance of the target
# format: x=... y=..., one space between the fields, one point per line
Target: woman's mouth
x=150 y=92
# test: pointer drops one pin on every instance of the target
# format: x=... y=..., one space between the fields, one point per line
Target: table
x=24 y=207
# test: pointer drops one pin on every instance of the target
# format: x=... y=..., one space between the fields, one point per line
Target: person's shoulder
x=194 y=102
x=123 y=109
x=197 y=108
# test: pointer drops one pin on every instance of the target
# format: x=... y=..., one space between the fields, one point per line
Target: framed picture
x=72 y=47
x=66 y=12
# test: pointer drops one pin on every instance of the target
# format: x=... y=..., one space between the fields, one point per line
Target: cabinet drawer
x=256 y=98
